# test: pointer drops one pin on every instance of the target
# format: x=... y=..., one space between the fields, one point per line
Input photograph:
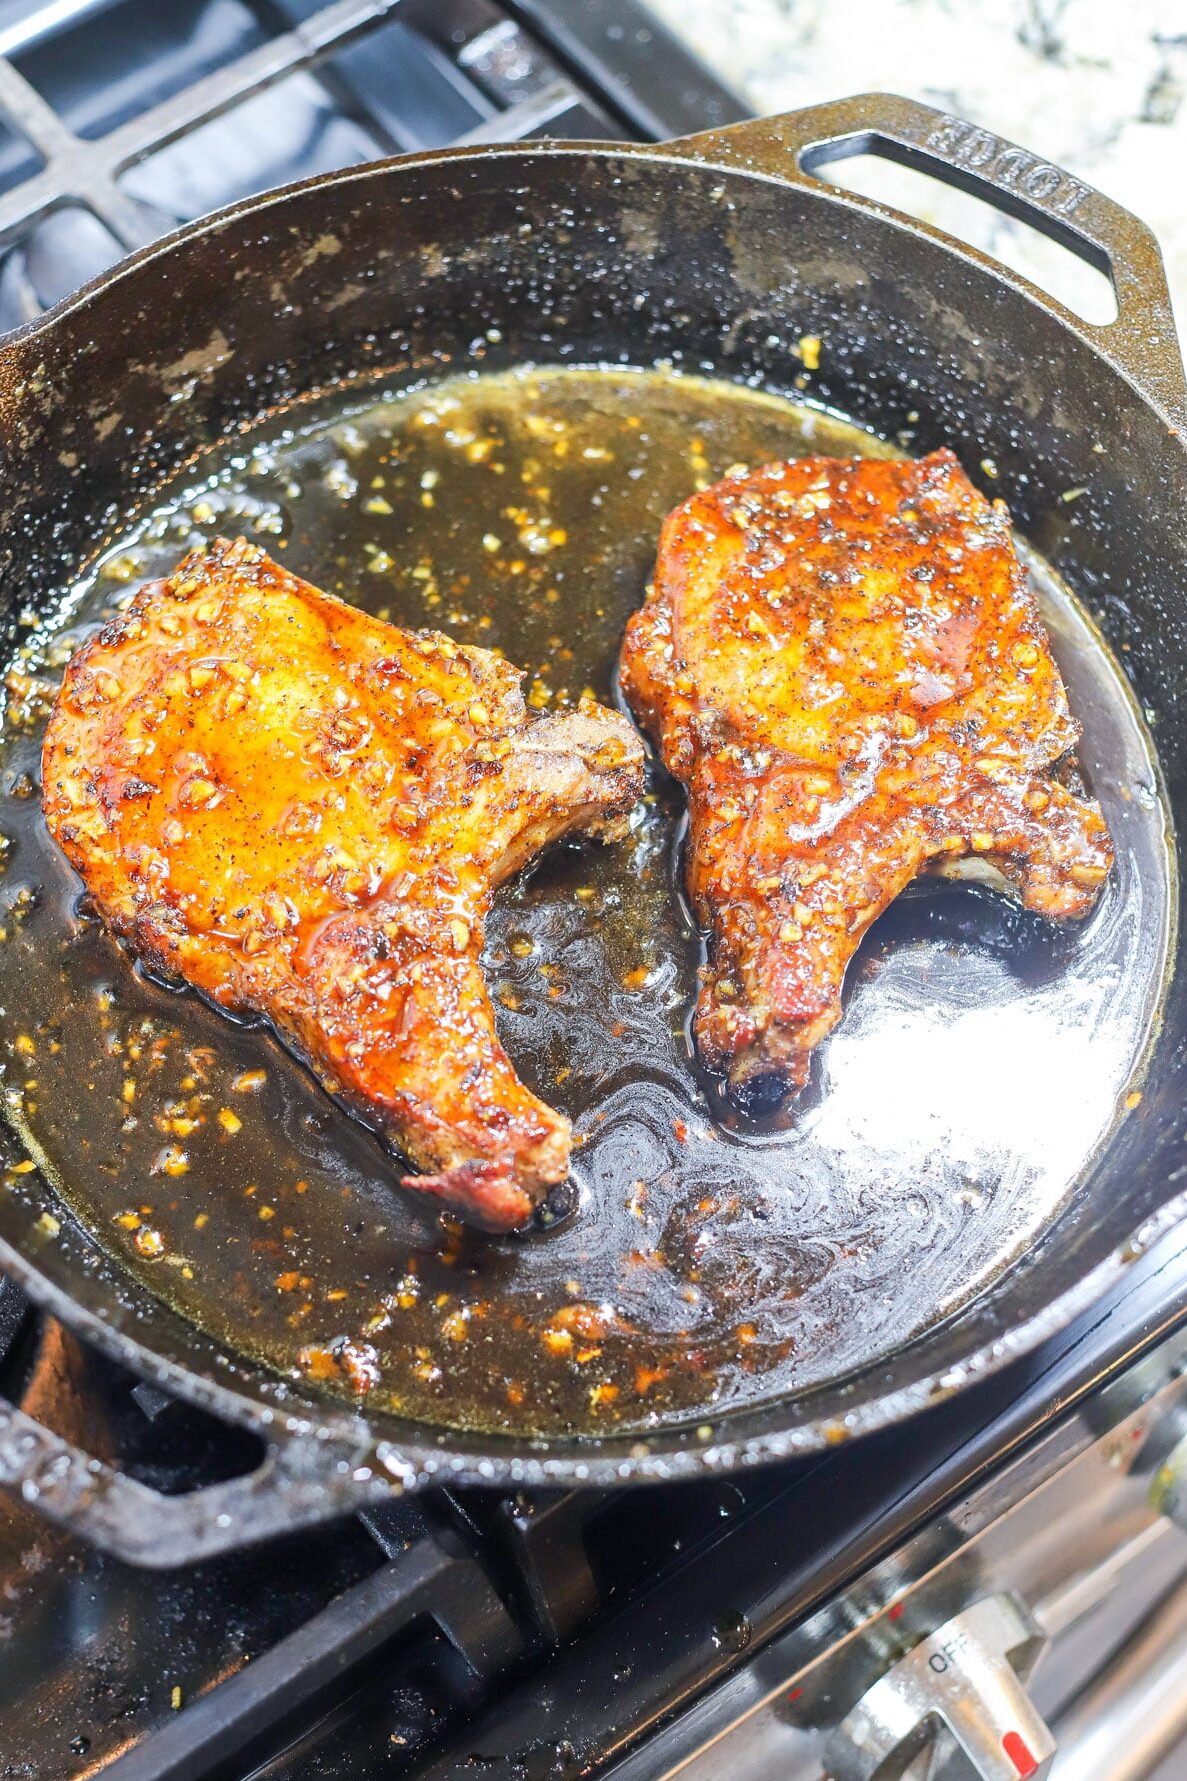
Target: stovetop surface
x=371 y=1647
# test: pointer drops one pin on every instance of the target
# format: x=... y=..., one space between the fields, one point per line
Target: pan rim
x=702 y=151
x=600 y=1461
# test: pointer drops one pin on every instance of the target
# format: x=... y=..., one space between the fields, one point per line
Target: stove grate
x=116 y=115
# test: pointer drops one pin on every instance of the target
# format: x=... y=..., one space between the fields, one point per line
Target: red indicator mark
x=1019 y=1755
x=795 y=1694
x=896 y=1612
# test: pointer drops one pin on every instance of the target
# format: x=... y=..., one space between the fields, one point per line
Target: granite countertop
x=1097 y=87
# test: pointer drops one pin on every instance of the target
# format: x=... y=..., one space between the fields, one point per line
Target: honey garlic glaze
x=694 y=1263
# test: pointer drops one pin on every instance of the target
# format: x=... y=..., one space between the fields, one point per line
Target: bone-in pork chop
x=844 y=665
x=303 y=812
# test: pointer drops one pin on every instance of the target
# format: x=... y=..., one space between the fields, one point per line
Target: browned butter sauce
x=979 y=1064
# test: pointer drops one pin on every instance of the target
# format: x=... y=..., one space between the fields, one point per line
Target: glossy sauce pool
x=980 y=1063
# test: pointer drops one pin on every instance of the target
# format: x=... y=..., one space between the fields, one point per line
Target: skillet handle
x=1142 y=342
x=296 y=1484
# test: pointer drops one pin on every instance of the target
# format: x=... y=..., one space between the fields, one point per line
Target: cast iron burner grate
x=345 y=1650
x=120 y=120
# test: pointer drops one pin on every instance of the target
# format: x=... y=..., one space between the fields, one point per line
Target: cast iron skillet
x=722 y=248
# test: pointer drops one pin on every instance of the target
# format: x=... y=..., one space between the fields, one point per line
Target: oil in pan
x=979 y=1065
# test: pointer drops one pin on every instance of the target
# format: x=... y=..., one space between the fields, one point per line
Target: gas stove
x=958 y=1597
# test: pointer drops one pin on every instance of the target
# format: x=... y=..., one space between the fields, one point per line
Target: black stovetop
x=459 y=1634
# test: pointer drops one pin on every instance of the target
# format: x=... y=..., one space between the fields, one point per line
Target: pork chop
x=303 y=813
x=843 y=664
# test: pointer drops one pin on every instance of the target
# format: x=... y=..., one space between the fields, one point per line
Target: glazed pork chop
x=303 y=813
x=844 y=665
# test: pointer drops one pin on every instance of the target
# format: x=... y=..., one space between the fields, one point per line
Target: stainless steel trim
x=1135 y=1711
x=1088 y=1588
x=18 y=33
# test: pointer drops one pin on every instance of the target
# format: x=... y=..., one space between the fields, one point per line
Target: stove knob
x=964 y=1684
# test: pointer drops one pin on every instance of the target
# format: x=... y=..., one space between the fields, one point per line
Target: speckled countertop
x=1095 y=86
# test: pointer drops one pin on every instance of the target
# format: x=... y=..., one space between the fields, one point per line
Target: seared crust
x=842 y=662
x=303 y=812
